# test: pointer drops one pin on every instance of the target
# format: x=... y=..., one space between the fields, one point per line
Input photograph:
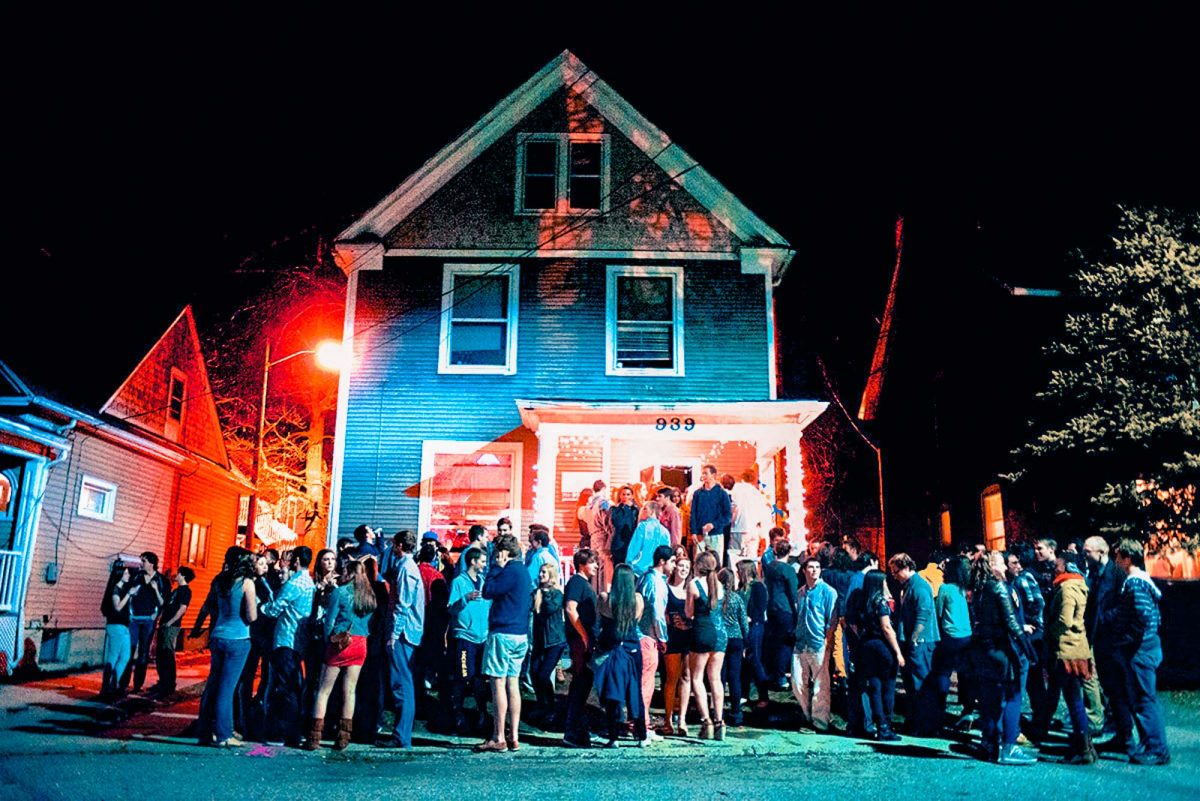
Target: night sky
x=152 y=161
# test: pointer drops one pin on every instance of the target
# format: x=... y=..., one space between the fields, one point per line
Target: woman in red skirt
x=346 y=626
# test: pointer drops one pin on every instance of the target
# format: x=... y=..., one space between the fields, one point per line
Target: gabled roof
x=202 y=395
x=11 y=385
x=564 y=71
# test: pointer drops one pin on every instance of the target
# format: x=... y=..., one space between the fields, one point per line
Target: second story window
x=645 y=320
x=563 y=173
x=479 y=319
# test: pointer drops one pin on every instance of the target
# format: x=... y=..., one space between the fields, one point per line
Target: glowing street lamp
x=330 y=356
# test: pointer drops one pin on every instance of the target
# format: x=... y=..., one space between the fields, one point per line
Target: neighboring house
x=145 y=470
x=559 y=295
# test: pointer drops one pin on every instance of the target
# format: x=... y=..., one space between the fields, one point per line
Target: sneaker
x=652 y=736
x=230 y=742
x=1146 y=758
x=1015 y=755
x=569 y=743
x=887 y=736
x=274 y=743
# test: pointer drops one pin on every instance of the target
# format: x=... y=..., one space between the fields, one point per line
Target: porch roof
x=612 y=413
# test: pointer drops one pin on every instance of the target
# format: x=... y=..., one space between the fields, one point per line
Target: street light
x=329 y=356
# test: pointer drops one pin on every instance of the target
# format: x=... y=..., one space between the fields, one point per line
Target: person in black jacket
x=999 y=661
x=1104 y=581
x=780 y=633
x=624 y=518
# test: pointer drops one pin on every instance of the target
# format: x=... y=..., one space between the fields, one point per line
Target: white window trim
x=176 y=373
x=449 y=271
x=190 y=520
x=108 y=488
x=562 y=174
x=431 y=447
x=616 y=271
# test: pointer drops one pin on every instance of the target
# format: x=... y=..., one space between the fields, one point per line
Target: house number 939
x=674 y=423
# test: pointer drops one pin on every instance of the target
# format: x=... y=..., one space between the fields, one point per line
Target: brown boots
x=313 y=743
x=343 y=736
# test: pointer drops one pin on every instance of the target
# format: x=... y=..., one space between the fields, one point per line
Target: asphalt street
x=58 y=742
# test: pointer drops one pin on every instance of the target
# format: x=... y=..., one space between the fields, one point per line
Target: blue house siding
x=398 y=399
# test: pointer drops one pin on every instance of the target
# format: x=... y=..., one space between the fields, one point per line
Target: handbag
x=340 y=641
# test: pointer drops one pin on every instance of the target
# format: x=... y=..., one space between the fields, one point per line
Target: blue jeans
x=141 y=633
x=116 y=656
x=284 y=697
x=1000 y=706
x=228 y=657
x=947 y=659
x=404 y=692
x=918 y=663
x=1138 y=703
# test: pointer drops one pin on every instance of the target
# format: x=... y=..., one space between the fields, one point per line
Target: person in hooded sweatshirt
x=1138 y=652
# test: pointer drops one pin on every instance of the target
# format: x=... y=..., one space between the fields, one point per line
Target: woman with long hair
x=549 y=638
x=324 y=584
x=347 y=623
x=581 y=516
x=117 y=646
x=677 y=683
x=737 y=627
x=999 y=661
x=247 y=702
x=618 y=659
x=878 y=652
x=705 y=605
x=954 y=623
x=754 y=594
x=228 y=645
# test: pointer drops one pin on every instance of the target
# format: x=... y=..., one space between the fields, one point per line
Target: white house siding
x=83 y=548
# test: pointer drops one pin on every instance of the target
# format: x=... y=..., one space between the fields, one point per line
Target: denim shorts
x=503 y=654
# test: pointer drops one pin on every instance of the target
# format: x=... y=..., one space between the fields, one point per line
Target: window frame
x=617 y=271
x=562 y=175
x=185 y=540
x=430 y=448
x=993 y=541
x=173 y=426
x=449 y=272
x=108 y=488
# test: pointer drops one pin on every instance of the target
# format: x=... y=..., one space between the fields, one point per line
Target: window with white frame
x=464 y=483
x=562 y=173
x=193 y=547
x=644 y=320
x=97 y=499
x=479 y=319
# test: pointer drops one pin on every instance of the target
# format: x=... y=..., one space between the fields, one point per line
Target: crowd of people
x=653 y=599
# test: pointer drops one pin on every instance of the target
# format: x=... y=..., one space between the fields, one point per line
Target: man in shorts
x=511 y=592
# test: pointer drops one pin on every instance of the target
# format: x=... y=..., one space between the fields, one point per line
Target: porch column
x=546 y=481
x=794 y=475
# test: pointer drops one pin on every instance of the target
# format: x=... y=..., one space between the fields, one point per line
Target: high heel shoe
x=719 y=731
x=706 y=729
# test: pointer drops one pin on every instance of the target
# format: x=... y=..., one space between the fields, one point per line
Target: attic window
x=562 y=173
x=176 y=401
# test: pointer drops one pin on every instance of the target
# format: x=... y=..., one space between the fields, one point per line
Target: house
x=84 y=484
x=559 y=295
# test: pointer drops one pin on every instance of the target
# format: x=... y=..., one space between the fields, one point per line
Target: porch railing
x=11 y=563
